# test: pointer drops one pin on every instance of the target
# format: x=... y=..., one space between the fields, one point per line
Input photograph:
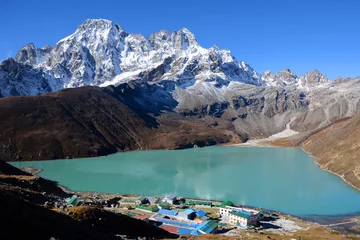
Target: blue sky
x=267 y=34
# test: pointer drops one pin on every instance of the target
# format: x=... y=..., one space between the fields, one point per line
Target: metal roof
x=169 y=228
x=168 y=212
x=189 y=211
x=142 y=198
x=241 y=214
x=148 y=208
x=207 y=227
x=74 y=201
x=201 y=213
x=227 y=203
x=170 y=196
x=184 y=231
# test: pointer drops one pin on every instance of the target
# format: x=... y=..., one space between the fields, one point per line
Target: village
x=179 y=215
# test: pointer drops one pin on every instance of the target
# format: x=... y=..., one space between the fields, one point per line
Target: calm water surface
x=283 y=179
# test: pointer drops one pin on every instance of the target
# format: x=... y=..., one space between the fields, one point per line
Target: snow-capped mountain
x=312 y=79
x=283 y=78
x=101 y=53
x=288 y=78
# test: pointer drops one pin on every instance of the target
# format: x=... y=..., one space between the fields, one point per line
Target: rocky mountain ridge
x=286 y=77
x=101 y=53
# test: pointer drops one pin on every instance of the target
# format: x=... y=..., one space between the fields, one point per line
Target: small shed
x=141 y=200
x=153 y=199
x=164 y=205
x=170 y=198
x=127 y=201
x=75 y=201
x=187 y=214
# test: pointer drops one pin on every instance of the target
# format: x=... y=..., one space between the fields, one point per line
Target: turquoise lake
x=282 y=179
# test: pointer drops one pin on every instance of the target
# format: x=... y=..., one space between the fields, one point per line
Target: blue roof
x=189 y=211
x=207 y=227
x=202 y=225
x=195 y=233
x=184 y=231
x=242 y=211
x=168 y=212
x=201 y=213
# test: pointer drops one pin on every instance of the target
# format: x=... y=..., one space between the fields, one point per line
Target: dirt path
x=342 y=223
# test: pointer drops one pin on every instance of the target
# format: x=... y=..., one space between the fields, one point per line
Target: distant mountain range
x=101 y=53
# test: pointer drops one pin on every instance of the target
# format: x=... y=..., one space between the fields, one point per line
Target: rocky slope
x=283 y=78
x=91 y=121
x=337 y=149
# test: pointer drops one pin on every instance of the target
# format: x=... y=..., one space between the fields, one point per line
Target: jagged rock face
x=312 y=79
x=29 y=55
x=19 y=80
x=287 y=76
x=283 y=78
x=101 y=53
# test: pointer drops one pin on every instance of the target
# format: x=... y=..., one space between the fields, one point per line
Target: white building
x=242 y=217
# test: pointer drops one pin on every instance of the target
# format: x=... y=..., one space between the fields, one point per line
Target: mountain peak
x=29 y=55
x=312 y=78
x=89 y=24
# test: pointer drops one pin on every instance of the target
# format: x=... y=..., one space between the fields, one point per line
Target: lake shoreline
x=265 y=143
x=307 y=218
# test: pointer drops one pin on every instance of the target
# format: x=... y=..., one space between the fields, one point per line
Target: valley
x=102 y=92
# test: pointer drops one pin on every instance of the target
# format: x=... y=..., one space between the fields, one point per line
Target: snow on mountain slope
x=101 y=53
x=312 y=79
x=283 y=78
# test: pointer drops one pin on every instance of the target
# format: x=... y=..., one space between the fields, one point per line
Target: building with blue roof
x=200 y=213
x=172 y=213
x=207 y=227
x=195 y=233
x=184 y=231
x=189 y=211
x=187 y=214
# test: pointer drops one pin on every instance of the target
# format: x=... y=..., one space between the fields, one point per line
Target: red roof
x=169 y=228
x=140 y=217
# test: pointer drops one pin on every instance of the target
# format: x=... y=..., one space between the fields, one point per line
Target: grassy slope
x=337 y=149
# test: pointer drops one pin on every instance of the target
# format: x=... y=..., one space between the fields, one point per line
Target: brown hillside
x=10 y=170
x=337 y=149
x=91 y=121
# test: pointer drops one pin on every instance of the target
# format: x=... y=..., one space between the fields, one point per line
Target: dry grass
x=337 y=149
x=18 y=177
x=281 y=142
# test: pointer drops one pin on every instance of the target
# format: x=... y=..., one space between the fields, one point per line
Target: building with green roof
x=227 y=203
x=164 y=205
x=74 y=201
x=242 y=218
x=151 y=208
